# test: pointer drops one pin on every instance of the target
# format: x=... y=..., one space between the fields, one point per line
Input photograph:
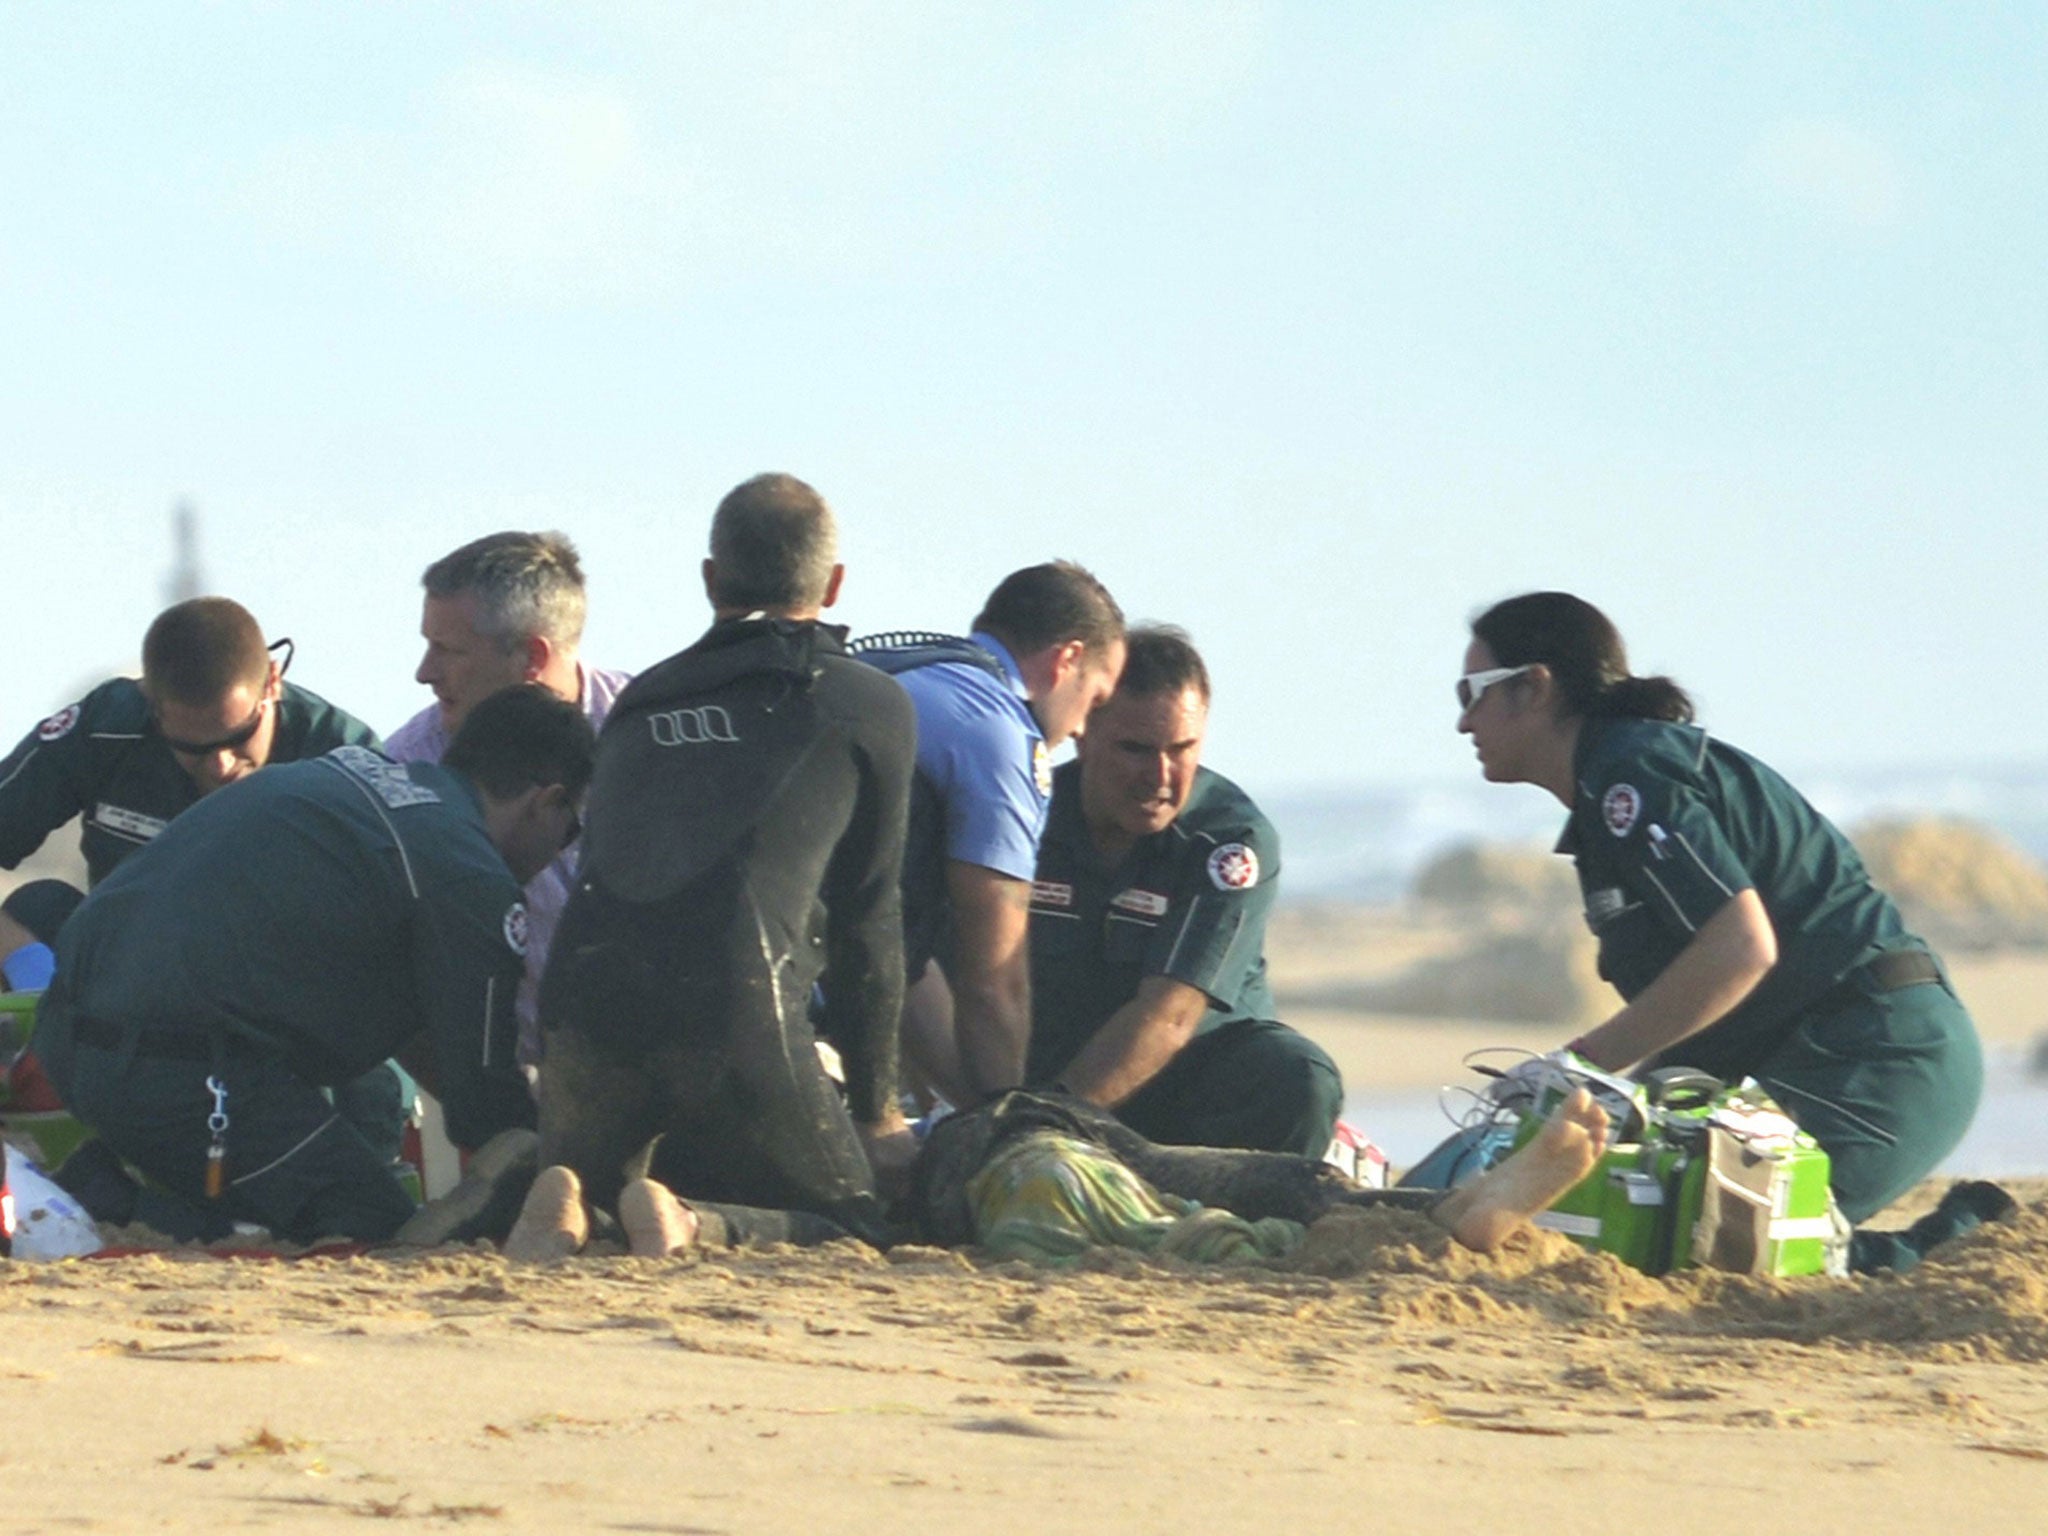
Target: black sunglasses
x=247 y=728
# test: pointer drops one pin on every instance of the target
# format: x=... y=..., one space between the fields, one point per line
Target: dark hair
x=1161 y=658
x=525 y=584
x=1051 y=604
x=196 y=651
x=1583 y=650
x=523 y=737
x=773 y=545
x=42 y=906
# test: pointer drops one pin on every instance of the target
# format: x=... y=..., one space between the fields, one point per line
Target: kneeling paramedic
x=281 y=939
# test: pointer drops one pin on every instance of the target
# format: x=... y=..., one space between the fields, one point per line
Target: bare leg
x=553 y=1224
x=657 y=1223
x=1485 y=1213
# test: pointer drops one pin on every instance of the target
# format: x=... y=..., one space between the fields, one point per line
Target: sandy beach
x=1386 y=1379
x=1382 y=1378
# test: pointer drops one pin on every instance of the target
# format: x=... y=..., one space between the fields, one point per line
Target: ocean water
x=1366 y=843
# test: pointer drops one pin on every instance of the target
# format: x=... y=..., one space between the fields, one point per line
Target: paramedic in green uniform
x=289 y=936
x=1148 y=922
x=1737 y=922
x=211 y=707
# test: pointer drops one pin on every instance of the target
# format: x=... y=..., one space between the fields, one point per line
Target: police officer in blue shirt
x=1148 y=967
x=1044 y=651
x=1737 y=922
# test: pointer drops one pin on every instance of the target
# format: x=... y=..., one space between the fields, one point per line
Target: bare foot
x=552 y=1224
x=657 y=1223
x=1483 y=1214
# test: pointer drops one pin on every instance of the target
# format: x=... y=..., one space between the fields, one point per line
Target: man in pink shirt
x=506 y=609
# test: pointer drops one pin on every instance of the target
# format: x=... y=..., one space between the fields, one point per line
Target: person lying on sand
x=1481 y=1215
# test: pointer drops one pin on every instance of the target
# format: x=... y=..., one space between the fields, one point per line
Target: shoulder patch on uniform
x=1233 y=867
x=60 y=724
x=1041 y=767
x=1144 y=903
x=387 y=780
x=515 y=928
x=1051 y=893
x=1620 y=807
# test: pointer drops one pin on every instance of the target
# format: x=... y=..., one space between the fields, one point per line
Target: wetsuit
x=102 y=758
x=285 y=935
x=1188 y=902
x=742 y=840
x=1856 y=1030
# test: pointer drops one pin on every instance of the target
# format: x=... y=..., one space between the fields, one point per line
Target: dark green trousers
x=1252 y=1084
x=295 y=1164
x=1886 y=1082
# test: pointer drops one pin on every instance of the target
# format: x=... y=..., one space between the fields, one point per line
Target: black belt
x=1894 y=970
x=175 y=1047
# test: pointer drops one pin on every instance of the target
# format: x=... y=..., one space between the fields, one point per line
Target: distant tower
x=185 y=579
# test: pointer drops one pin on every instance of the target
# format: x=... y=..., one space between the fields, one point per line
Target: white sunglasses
x=1473 y=685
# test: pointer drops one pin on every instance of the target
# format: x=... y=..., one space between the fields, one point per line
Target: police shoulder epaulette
x=905 y=650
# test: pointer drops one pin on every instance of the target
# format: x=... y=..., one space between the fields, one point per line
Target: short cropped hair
x=1051 y=604
x=525 y=584
x=1161 y=659
x=194 y=652
x=773 y=545
x=521 y=738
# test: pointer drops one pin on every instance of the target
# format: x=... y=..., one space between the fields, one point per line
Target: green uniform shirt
x=1189 y=902
x=102 y=759
x=1668 y=825
x=331 y=911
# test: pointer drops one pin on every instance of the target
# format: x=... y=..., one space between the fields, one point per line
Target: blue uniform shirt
x=980 y=750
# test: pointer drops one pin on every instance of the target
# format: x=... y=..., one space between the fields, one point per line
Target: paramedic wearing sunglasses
x=211 y=707
x=1737 y=923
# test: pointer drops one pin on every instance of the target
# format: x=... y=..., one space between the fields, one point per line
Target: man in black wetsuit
x=744 y=834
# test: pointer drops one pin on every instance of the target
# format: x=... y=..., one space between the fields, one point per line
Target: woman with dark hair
x=1737 y=923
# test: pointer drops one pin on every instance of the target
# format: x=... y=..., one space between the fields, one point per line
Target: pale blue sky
x=1310 y=327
